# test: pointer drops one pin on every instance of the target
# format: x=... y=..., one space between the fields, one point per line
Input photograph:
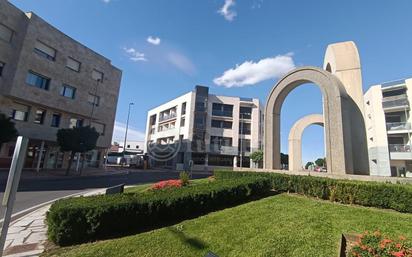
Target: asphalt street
x=35 y=191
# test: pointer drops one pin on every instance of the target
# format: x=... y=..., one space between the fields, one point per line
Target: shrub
x=184 y=177
x=375 y=244
x=375 y=194
x=83 y=219
x=167 y=184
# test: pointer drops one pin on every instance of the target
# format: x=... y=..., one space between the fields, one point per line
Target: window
x=39 y=117
x=75 y=123
x=222 y=124
x=97 y=75
x=93 y=99
x=44 y=51
x=37 y=80
x=55 y=120
x=2 y=64
x=221 y=141
x=5 y=33
x=182 y=122
x=222 y=110
x=99 y=127
x=20 y=112
x=244 y=128
x=184 y=108
x=245 y=145
x=245 y=112
x=67 y=91
x=73 y=64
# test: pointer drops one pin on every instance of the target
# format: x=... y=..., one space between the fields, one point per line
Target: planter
x=346 y=243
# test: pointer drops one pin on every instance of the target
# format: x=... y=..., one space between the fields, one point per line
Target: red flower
x=398 y=254
x=167 y=184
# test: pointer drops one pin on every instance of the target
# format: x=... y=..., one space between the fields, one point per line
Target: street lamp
x=127 y=127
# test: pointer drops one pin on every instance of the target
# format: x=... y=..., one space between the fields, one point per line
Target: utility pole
x=127 y=127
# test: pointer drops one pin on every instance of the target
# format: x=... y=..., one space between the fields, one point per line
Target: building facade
x=388 y=125
x=204 y=129
x=50 y=81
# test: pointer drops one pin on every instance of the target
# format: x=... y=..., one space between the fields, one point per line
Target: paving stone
x=21 y=234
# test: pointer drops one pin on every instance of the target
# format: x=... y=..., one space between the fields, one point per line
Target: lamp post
x=127 y=127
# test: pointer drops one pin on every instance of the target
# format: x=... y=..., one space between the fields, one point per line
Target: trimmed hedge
x=83 y=219
x=374 y=194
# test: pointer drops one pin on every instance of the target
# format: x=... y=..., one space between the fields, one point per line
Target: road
x=35 y=191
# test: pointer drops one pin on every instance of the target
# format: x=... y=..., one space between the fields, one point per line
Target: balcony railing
x=221 y=149
x=399 y=148
x=393 y=126
x=222 y=113
x=395 y=101
x=167 y=117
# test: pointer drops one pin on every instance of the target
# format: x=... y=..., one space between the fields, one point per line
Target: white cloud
x=227 y=10
x=250 y=73
x=153 y=40
x=182 y=63
x=135 y=55
x=133 y=134
x=106 y=1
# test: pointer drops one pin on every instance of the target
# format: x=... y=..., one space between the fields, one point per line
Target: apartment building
x=388 y=123
x=204 y=129
x=50 y=81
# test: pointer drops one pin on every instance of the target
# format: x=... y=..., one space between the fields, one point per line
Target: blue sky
x=195 y=41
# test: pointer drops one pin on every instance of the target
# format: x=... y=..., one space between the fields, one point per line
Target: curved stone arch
x=340 y=114
x=295 y=138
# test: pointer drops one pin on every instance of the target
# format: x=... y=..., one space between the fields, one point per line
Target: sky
x=236 y=47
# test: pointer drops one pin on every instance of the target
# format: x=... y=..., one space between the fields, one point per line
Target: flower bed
x=167 y=184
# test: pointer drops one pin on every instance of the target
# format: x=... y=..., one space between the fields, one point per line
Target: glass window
x=5 y=33
x=55 y=120
x=221 y=124
x=2 y=64
x=73 y=64
x=93 y=99
x=97 y=75
x=244 y=128
x=182 y=122
x=68 y=91
x=244 y=145
x=222 y=110
x=37 y=80
x=245 y=112
x=39 y=117
x=44 y=51
x=75 y=123
x=184 y=108
x=20 y=112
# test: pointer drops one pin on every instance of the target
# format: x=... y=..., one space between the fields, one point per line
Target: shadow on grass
x=192 y=241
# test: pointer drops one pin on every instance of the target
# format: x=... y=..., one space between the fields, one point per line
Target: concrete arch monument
x=342 y=118
x=295 y=138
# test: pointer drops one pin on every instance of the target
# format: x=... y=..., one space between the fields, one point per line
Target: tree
x=8 y=131
x=320 y=162
x=308 y=164
x=77 y=140
x=257 y=156
x=284 y=160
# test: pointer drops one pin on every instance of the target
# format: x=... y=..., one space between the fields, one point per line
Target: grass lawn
x=281 y=225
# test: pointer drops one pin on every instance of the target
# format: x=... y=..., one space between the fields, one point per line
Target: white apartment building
x=207 y=129
x=388 y=126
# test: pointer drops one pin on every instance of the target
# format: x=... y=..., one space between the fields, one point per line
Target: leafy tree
x=284 y=160
x=308 y=164
x=8 y=131
x=257 y=156
x=77 y=140
x=320 y=162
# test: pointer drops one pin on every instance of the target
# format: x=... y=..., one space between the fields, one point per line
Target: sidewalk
x=27 y=235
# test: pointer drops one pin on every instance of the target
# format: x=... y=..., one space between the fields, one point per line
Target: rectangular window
x=2 y=64
x=20 y=112
x=244 y=128
x=97 y=75
x=75 y=123
x=244 y=145
x=67 y=91
x=99 y=127
x=245 y=112
x=182 y=122
x=93 y=99
x=37 y=80
x=6 y=33
x=55 y=120
x=44 y=51
x=73 y=64
x=184 y=108
x=39 y=117
x=222 y=124
x=225 y=110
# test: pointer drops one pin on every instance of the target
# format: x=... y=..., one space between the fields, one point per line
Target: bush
x=83 y=219
x=375 y=194
x=184 y=177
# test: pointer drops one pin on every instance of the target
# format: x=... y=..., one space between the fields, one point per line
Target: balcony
x=167 y=117
x=396 y=126
x=400 y=152
x=222 y=113
x=221 y=149
x=395 y=102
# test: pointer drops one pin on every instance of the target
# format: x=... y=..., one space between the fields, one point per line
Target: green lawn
x=281 y=225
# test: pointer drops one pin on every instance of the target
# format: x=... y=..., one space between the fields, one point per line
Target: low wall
x=334 y=176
